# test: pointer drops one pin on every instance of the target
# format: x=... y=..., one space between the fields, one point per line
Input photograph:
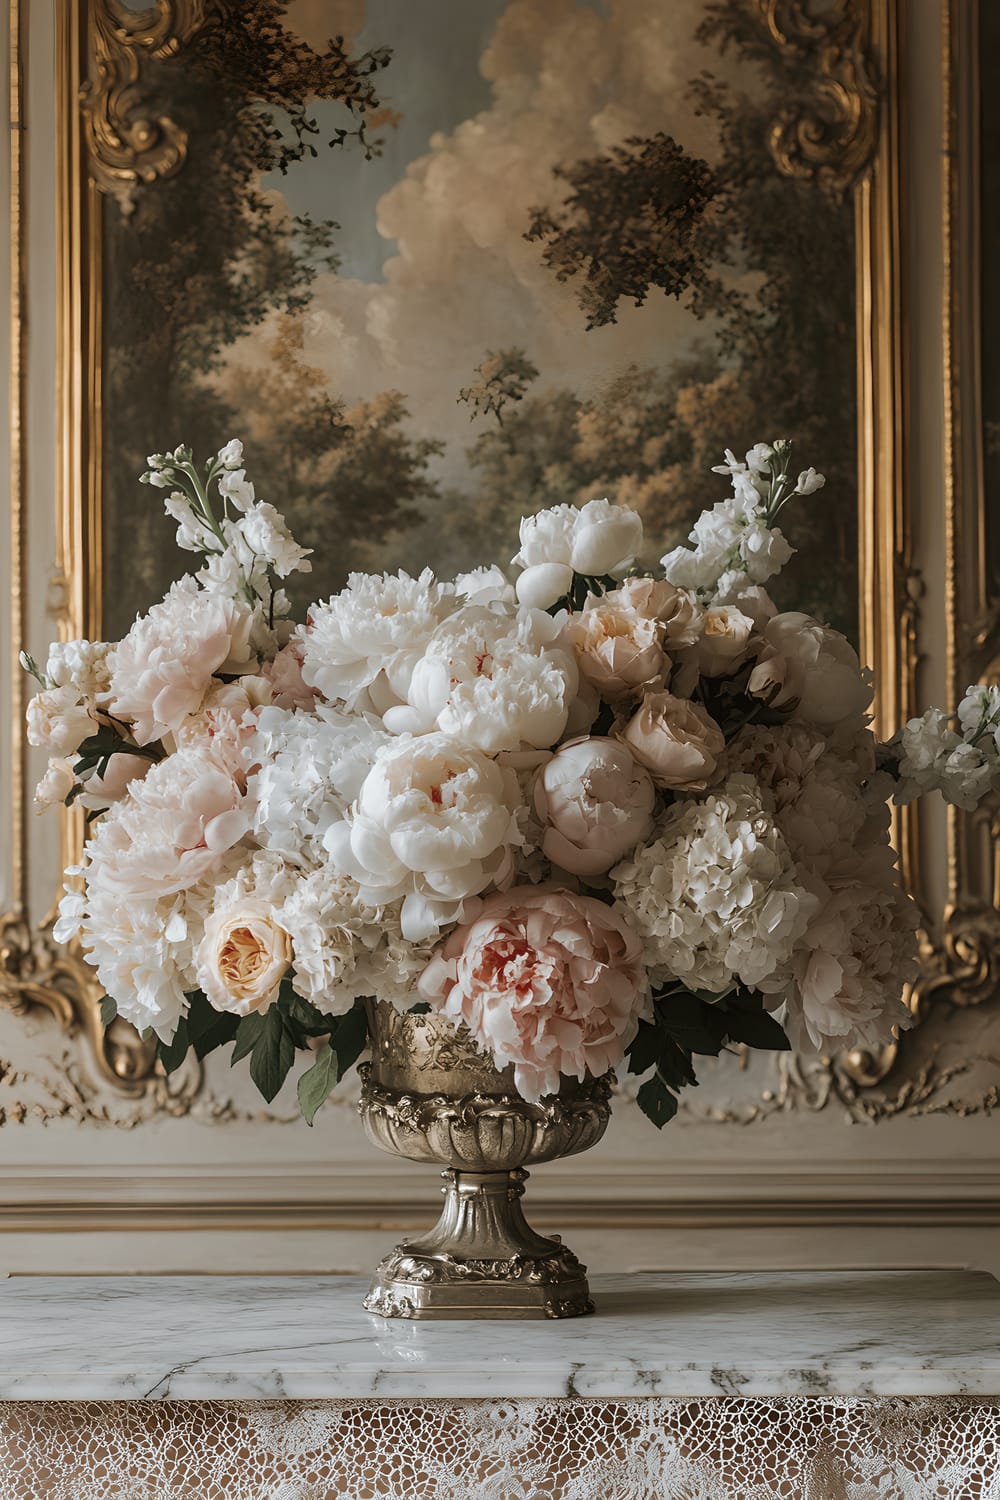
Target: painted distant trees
x=207 y=256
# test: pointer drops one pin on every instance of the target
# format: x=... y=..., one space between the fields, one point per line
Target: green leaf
x=273 y=1054
x=747 y=1021
x=109 y=1009
x=304 y=1019
x=350 y=1039
x=317 y=1083
x=208 y=1028
x=247 y=1033
x=657 y=1102
x=655 y=1047
x=645 y=1049
x=693 y=1024
x=172 y=1054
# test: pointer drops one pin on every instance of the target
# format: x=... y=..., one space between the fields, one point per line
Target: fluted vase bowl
x=430 y=1095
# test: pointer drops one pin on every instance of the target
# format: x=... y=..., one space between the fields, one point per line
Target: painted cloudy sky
x=491 y=95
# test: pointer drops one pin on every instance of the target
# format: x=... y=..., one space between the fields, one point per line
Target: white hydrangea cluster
x=858 y=948
x=713 y=893
x=312 y=766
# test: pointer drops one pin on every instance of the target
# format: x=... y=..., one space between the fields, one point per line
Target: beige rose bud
x=243 y=957
x=725 y=640
x=676 y=740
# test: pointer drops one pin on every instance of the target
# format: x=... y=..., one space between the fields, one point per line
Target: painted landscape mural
x=443 y=263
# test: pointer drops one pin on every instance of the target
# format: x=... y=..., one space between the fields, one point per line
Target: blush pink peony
x=547 y=981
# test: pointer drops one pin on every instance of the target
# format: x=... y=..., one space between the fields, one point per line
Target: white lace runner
x=945 y=1448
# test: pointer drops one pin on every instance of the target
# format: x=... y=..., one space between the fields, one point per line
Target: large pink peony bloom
x=546 y=980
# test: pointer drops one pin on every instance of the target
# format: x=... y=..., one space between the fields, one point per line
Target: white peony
x=161 y=670
x=486 y=586
x=493 y=677
x=714 y=895
x=143 y=944
x=435 y=822
x=596 y=539
x=375 y=628
x=812 y=670
x=595 y=803
x=173 y=828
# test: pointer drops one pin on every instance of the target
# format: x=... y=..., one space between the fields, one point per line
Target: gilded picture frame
x=853 y=142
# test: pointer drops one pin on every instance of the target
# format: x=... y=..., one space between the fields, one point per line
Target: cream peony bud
x=58 y=720
x=606 y=538
x=55 y=786
x=596 y=803
x=676 y=740
x=243 y=957
x=618 y=646
x=541 y=586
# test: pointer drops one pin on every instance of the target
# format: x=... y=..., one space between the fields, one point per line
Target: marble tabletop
x=700 y=1334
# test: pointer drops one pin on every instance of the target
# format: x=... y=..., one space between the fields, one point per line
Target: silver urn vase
x=429 y=1094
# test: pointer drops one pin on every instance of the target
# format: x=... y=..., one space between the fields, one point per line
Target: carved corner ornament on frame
x=843 y=135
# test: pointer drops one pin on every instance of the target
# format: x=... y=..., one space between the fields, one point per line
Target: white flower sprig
x=737 y=542
x=245 y=545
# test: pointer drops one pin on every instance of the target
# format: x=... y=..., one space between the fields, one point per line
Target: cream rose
x=243 y=957
x=676 y=740
x=596 y=804
x=618 y=641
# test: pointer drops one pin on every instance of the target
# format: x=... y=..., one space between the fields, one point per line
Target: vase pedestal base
x=481 y=1260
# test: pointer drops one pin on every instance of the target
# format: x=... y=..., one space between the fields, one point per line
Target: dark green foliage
x=684 y=1025
x=346 y=1043
x=109 y=1010
x=208 y=1028
x=271 y=1039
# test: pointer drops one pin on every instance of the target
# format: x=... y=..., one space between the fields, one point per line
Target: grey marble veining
x=694 y=1334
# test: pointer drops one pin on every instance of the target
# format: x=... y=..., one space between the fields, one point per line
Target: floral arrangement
x=600 y=814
